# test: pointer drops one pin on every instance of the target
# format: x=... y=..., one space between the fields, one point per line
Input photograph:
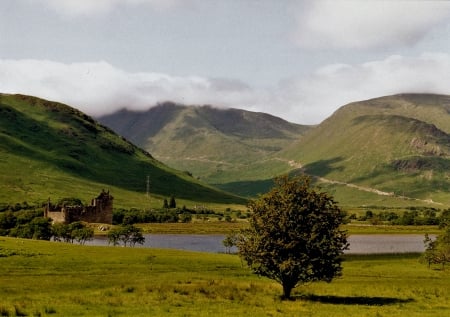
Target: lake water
x=359 y=244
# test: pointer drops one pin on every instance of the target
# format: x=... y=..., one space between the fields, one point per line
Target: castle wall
x=99 y=215
x=56 y=216
x=100 y=211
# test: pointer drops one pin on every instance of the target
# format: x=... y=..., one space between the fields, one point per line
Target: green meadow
x=41 y=278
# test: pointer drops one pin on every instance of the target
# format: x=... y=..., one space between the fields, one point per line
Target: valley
x=391 y=150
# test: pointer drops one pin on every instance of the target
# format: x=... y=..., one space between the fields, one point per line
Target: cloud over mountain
x=99 y=88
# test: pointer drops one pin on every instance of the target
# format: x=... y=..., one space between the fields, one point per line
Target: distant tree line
x=17 y=206
x=25 y=224
x=172 y=215
x=128 y=217
x=413 y=217
x=30 y=224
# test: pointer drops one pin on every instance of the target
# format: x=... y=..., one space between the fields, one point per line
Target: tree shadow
x=353 y=300
x=323 y=167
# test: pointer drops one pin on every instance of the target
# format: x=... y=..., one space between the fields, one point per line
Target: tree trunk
x=287 y=288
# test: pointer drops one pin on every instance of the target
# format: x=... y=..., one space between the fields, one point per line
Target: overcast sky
x=299 y=60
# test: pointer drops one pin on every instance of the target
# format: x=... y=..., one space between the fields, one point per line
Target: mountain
x=392 y=150
x=215 y=145
x=50 y=150
x=397 y=145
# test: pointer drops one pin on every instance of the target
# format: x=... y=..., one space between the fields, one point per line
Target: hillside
x=215 y=145
x=50 y=150
x=398 y=145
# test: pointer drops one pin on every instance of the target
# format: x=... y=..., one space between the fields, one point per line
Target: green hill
x=216 y=145
x=391 y=151
x=50 y=150
x=397 y=145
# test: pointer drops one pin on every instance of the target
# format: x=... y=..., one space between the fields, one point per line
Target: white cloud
x=95 y=7
x=357 y=24
x=99 y=88
x=317 y=96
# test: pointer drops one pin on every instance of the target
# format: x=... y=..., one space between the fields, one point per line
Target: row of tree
x=75 y=231
x=29 y=226
x=408 y=218
x=128 y=217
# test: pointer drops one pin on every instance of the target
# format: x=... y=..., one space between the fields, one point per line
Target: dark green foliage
x=75 y=231
x=39 y=228
x=83 y=234
x=172 y=202
x=7 y=221
x=165 y=204
x=444 y=219
x=415 y=216
x=145 y=216
x=70 y=201
x=294 y=235
x=437 y=251
x=23 y=224
x=165 y=215
x=31 y=225
x=230 y=241
x=61 y=232
x=185 y=217
x=127 y=234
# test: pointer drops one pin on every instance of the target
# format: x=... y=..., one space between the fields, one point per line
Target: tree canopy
x=128 y=234
x=437 y=251
x=294 y=235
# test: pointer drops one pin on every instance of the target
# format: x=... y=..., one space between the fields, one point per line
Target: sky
x=298 y=60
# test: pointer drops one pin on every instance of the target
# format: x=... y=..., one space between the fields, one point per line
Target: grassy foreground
x=54 y=279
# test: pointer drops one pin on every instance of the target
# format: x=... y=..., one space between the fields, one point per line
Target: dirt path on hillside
x=299 y=166
x=197 y=159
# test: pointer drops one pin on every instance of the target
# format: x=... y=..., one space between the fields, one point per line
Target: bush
x=39 y=228
x=128 y=234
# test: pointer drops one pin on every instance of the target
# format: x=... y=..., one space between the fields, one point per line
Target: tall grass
x=55 y=279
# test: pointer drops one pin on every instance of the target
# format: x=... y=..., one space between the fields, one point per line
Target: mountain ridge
x=209 y=142
x=398 y=144
x=49 y=148
x=395 y=144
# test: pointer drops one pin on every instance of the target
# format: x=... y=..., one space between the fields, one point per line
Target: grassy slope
x=396 y=144
x=113 y=281
x=51 y=150
x=216 y=145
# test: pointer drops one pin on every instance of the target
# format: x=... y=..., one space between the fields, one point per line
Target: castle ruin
x=100 y=211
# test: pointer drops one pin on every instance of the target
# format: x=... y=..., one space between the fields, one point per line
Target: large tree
x=294 y=235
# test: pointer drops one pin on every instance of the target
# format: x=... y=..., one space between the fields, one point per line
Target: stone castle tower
x=100 y=211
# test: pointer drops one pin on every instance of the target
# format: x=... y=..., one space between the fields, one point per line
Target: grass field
x=54 y=279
